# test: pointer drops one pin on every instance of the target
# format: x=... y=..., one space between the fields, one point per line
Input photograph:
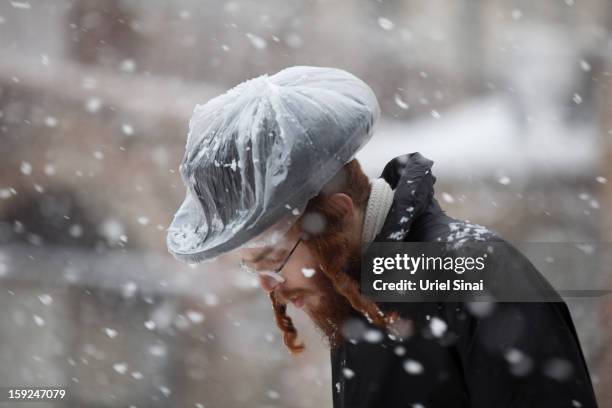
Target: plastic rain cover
x=256 y=154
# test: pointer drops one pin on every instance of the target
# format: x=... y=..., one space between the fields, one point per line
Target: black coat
x=523 y=354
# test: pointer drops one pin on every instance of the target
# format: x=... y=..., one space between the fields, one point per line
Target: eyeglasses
x=275 y=273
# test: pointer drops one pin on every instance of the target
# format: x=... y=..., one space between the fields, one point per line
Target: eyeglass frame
x=275 y=273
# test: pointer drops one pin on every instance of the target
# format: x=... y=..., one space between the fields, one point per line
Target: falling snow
x=21 y=5
x=413 y=367
x=121 y=368
x=438 y=326
x=373 y=336
x=348 y=373
x=39 y=321
x=110 y=332
x=257 y=42
x=26 y=168
x=127 y=129
x=45 y=299
x=308 y=272
x=385 y=23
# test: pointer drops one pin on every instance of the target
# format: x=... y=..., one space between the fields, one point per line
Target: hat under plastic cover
x=258 y=153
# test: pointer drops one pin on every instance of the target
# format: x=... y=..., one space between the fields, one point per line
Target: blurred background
x=511 y=99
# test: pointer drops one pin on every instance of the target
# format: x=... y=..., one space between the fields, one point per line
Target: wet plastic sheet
x=256 y=154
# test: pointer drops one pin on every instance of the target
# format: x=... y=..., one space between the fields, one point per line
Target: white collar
x=379 y=204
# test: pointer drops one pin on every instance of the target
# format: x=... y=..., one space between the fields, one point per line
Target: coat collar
x=410 y=177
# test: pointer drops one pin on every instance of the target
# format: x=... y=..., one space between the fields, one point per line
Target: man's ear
x=344 y=202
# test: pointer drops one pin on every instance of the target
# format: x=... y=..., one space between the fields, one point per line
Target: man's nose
x=268 y=283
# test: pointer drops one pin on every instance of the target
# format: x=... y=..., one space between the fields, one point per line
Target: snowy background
x=511 y=99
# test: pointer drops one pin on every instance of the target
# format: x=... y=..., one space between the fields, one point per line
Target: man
x=271 y=175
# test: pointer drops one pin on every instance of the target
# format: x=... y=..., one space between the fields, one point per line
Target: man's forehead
x=251 y=254
x=278 y=246
x=259 y=253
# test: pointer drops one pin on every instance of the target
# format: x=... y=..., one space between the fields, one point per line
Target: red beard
x=335 y=257
x=331 y=312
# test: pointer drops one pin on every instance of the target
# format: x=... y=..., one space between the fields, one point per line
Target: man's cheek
x=313 y=303
x=302 y=275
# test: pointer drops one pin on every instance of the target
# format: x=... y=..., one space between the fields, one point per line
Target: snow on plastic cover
x=256 y=154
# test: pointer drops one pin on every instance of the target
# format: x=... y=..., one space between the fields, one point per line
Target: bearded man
x=271 y=176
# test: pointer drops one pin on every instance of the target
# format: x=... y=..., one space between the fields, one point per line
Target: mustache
x=284 y=294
